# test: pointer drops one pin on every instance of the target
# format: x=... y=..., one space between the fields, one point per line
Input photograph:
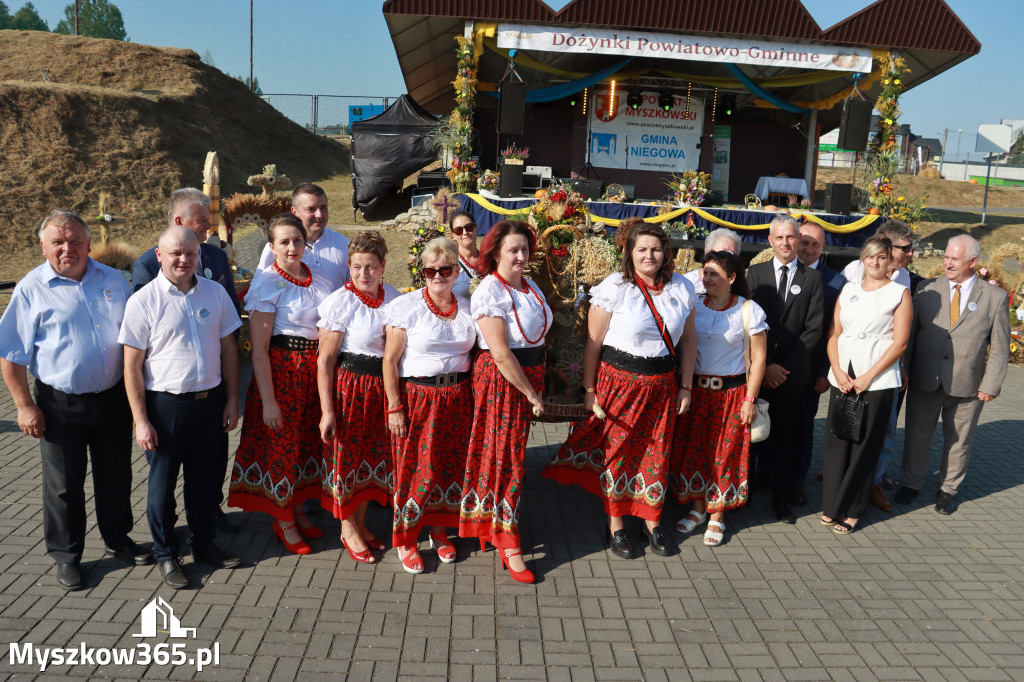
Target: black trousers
x=785 y=405
x=80 y=427
x=849 y=468
x=805 y=434
x=189 y=438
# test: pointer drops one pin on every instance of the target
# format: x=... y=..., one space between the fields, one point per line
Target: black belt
x=440 y=380
x=294 y=343
x=119 y=386
x=527 y=357
x=635 y=364
x=719 y=383
x=194 y=395
x=357 y=363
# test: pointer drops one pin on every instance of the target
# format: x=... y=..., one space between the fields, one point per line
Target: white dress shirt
x=696 y=278
x=362 y=325
x=965 y=291
x=328 y=254
x=492 y=300
x=180 y=333
x=791 y=270
x=632 y=328
x=854 y=272
x=65 y=331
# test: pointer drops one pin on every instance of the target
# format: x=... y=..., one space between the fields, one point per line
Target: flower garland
x=460 y=123
x=419 y=241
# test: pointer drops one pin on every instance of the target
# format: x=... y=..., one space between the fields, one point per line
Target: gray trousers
x=959 y=420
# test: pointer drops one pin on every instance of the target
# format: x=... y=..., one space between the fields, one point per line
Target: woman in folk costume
x=429 y=336
x=512 y=319
x=277 y=465
x=711 y=452
x=639 y=332
x=350 y=375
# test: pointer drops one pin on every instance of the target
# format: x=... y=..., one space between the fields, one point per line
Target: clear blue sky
x=343 y=48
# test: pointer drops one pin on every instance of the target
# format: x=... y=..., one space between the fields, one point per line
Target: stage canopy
x=926 y=33
x=388 y=148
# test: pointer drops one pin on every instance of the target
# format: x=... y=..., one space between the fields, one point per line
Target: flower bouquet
x=488 y=182
x=462 y=174
x=690 y=188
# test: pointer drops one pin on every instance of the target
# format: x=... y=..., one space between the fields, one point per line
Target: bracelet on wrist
x=396 y=410
x=748 y=399
x=590 y=389
x=684 y=387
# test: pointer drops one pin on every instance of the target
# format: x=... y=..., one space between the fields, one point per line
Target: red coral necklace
x=433 y=306
x=288 y=278
x=543 y=308
x=367 y=301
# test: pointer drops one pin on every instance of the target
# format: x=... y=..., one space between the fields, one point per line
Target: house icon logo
x=158 y=616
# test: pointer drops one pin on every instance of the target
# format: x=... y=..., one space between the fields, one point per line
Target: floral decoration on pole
x=458 y=134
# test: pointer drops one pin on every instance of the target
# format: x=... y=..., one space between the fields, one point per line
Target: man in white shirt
x=181 y=374
x=326 y=250
x=722 y=239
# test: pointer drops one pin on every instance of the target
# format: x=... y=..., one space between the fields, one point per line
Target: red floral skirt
x=623 y=458
x=712 y=450
x=494 y=467
x=429 y=463
x=276 y=470
x=357 y=463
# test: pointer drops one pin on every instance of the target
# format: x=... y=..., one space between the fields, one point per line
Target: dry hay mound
x=80 y=116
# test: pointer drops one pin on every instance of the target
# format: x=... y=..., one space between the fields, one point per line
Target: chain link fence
x=328 y=114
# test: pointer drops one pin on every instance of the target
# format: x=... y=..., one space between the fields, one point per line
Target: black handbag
x=849 y=418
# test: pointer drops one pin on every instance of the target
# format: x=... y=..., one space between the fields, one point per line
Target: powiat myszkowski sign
x=684 y=47
x=654 y=139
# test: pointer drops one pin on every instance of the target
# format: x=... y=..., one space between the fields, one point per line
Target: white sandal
x=687 y=524
x=711 y=538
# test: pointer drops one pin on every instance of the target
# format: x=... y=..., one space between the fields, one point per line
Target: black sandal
x=842 y=528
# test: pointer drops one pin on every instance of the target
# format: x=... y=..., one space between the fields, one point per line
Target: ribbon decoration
x=678 y=213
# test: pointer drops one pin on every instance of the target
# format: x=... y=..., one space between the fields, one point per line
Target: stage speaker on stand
x=511 y=107
x=838 y=198
x=855 y=125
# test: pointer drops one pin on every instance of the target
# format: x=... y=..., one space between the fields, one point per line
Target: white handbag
x=762 y=425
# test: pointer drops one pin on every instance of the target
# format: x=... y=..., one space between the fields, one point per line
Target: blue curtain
x=572 y=87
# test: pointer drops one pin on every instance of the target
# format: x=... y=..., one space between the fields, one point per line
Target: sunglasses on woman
x=459 y=229
x=446 y=271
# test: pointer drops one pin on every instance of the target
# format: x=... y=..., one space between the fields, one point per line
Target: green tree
x=256 y=84
x=5 y=16
x=96 y=19
x=1017 y=151
x=28 y=19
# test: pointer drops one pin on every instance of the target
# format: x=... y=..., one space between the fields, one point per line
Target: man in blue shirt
x=62 y=325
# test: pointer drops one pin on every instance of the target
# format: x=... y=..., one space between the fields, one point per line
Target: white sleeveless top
x=867 y=318
x=362 y=325
x=491 y=299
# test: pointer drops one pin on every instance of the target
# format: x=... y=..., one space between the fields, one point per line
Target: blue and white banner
x=652 y=138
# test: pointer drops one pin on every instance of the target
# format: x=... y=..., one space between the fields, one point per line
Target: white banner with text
x=654 y=139
x=684 y=47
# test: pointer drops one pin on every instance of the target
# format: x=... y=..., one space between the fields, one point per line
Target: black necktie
x=783 y=273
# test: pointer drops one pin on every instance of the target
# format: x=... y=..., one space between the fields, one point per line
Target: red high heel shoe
x=414 y=566
x=309 y=530
x=524 y=576
x=299 y=547
x=364 y=557
x=374 y=543
x=483 y=544
x=445 y=549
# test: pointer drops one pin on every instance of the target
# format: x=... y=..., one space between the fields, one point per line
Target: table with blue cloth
x=485 y=218
x=774 y=184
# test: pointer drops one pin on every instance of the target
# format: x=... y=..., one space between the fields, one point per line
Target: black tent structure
x=387 y=148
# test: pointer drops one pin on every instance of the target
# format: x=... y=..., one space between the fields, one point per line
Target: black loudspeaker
x=838 y=198
x=855 y=125
x=589 y=189
x=510 y=180
x=511 y=107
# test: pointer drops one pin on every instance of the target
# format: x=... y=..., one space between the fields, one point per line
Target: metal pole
x=252 y=81
x=76 y=17
x=812 y=150
x=942 y=159
x=984 y=208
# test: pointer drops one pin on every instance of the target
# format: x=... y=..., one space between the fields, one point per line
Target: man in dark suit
x=808 y=252
x=792 y=298
x=190 y=208
x=959 y=347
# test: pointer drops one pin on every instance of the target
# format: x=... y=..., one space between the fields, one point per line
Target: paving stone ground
x=913 y=595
